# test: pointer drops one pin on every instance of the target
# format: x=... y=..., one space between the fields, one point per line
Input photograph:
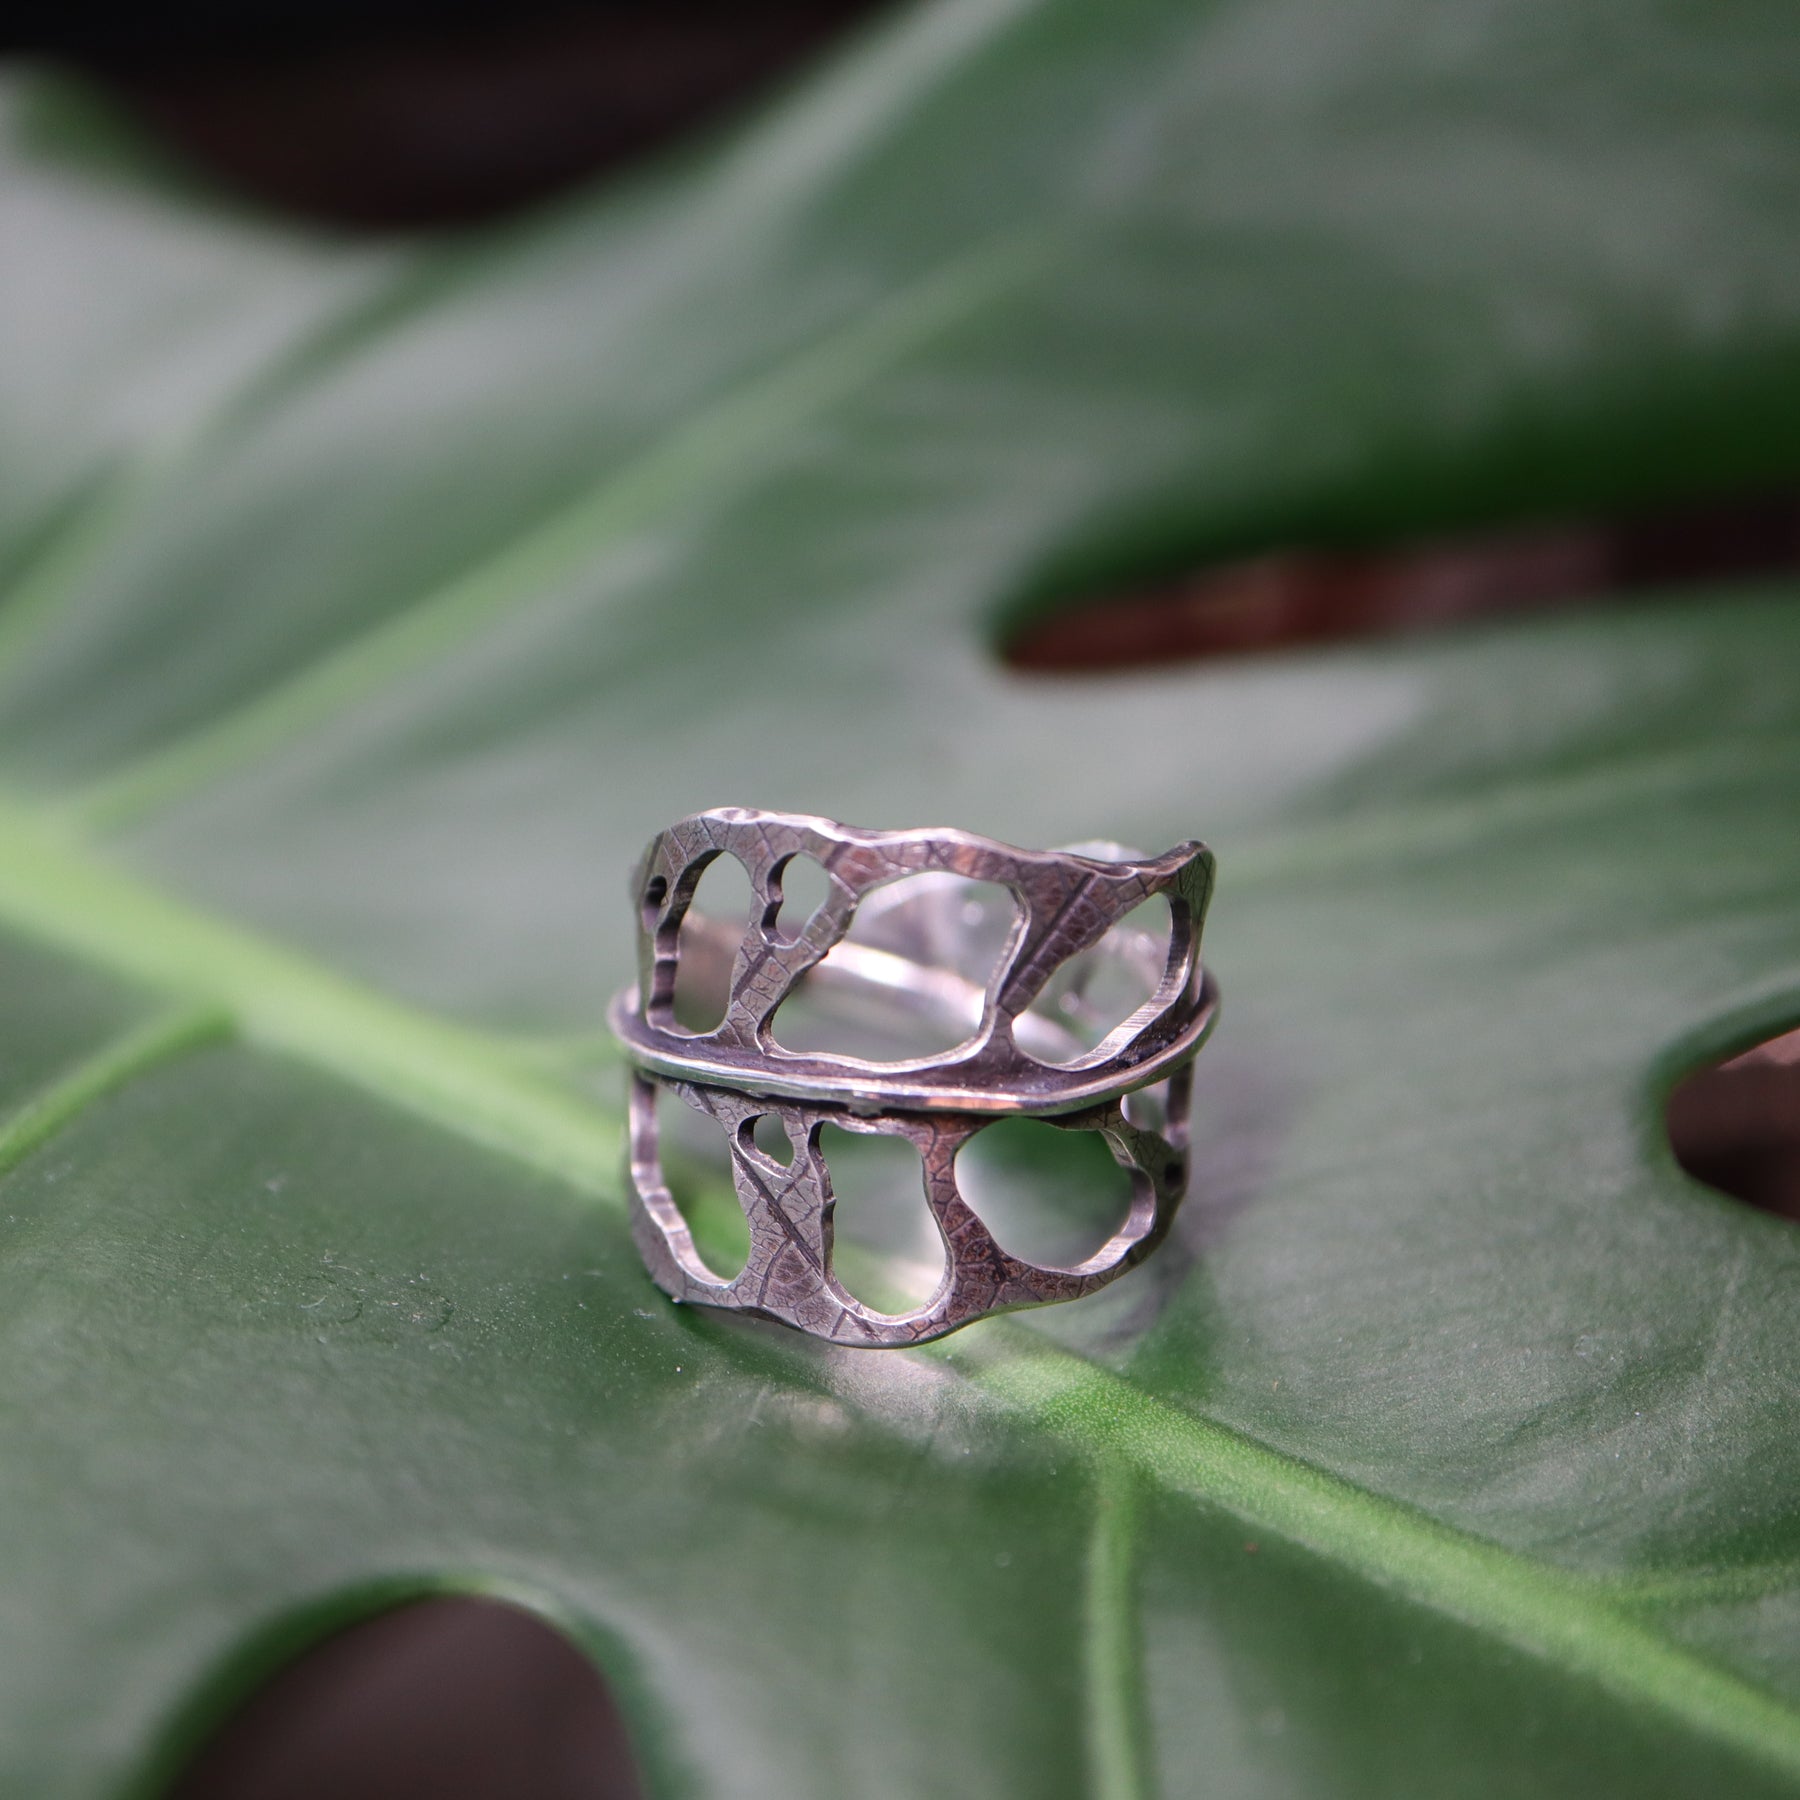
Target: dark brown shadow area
x=1319 y=596
x=471 y=1698
x=1736 y=1125
x=417 y=115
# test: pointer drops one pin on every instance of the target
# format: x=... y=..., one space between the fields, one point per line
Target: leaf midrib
x=54 y=889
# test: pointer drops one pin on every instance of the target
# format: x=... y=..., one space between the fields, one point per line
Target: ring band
x=1059 y=923
x=1067 y=902
x=790 y=1273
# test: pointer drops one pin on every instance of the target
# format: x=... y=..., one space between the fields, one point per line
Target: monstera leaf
x=368 y=607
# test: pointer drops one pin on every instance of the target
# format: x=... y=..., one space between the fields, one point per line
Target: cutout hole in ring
x=862 y=999
x=886 y=1249
x=695 y=1153
x=716 y=922
x=1148 y=1107
x=767 y=1134
x=1091 y=995
x=804 y=888
x=1049 y=1195
x=656 y=891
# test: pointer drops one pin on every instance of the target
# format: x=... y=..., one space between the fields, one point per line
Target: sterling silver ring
x=948 y=981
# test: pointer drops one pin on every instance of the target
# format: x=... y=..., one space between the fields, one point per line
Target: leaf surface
x=368 y=608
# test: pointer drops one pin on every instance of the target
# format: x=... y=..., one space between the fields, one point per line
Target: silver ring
x=890 y=945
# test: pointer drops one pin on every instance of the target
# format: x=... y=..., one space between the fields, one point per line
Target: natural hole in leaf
x=769 y=1135
x=1300 y=595
x=886 y=1248
x=1048 y=1195
x=696 y=1165
x=468 y=1697
x=715 y=924
x=804 y=889
x=1094 y=993
x=861 y=999
x=400 y=115
x=1736 y=1125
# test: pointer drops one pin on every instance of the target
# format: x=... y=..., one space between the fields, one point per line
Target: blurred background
x=404 y=118
x=410 y=115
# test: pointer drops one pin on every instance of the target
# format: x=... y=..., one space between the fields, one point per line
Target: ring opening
x=911 y=976
x=1049 y=1195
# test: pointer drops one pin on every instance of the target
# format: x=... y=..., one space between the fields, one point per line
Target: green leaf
x=366 y=609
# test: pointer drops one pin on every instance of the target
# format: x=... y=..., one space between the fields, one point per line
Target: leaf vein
x=133 y=1053
x=712 y=445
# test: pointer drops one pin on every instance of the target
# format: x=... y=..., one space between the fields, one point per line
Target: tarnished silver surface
x=790 y=1274
x=1031 y=1036
x=1067 y=902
